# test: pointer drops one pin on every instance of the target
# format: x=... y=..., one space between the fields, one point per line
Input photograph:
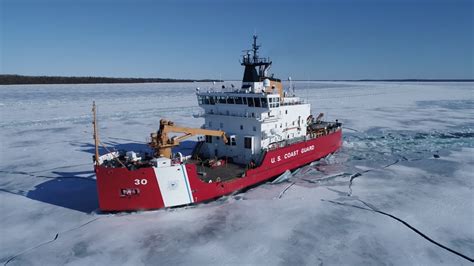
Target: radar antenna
x=255 y=48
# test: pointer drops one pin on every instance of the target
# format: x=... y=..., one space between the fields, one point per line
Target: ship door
x=248 y=147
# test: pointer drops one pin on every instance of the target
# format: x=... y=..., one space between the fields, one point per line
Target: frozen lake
x=408 y=152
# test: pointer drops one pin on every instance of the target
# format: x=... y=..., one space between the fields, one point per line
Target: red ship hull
x=146 y=190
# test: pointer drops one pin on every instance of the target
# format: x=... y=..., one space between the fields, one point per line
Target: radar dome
x=266 y=83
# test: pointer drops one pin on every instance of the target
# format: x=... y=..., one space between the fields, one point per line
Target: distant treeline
x=415 y=80
x=19 y=79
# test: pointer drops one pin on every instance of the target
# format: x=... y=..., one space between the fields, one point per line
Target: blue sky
x=330 y=39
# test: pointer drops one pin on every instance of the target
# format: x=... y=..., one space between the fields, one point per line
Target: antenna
x=96 y=135
x=291 y=85
x=255 y=47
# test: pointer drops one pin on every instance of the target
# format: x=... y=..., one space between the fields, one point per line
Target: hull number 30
x=140 y=181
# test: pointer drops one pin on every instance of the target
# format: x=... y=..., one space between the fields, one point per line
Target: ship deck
x=224 y=172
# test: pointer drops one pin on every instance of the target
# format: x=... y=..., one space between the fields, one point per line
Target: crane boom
x=162 y=144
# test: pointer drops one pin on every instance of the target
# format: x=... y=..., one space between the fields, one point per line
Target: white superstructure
x=252 y=121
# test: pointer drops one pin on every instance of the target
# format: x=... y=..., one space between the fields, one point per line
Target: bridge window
x=200 y=100
x=208 y=139
x=244 y=100
x=222 y=99
x=257 y=102
x=250 y=102
x=264 y=102
x=206 y=100
x=232 y=141
x=230 y=100
x=238 y=100
x=212 y=100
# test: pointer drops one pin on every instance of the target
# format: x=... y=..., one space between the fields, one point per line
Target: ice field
x=404 y=176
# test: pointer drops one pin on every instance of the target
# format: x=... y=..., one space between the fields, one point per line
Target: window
x=200 y=99
x=230 y=100
x=212 y=100
x=241 y=127
x=250 y=102
x=222 y=99
x=264 y=102
x=248 y=142
x=273 y=102
x=257 y=102
x=206 y=100
x=238 y=100
x=244 y=100
x=254 y=128
x=232 y=141
x=208 y=139
x=286 y=112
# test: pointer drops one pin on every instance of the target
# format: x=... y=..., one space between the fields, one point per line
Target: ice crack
x=49 y=241
x=373 y=209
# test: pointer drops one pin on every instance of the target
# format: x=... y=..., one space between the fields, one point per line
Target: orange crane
x=162 y=144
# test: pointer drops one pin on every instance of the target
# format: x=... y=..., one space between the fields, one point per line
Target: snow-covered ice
x=408 y=152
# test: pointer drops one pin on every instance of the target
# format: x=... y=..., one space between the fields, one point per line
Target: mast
x=96 y=135
x=255 y=48
x=255 y=66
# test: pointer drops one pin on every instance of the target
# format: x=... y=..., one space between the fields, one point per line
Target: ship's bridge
x=260 y=100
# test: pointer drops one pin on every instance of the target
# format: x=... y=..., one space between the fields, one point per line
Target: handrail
x=285 y=143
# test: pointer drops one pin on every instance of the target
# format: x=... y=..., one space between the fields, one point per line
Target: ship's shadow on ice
x=72 y=190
